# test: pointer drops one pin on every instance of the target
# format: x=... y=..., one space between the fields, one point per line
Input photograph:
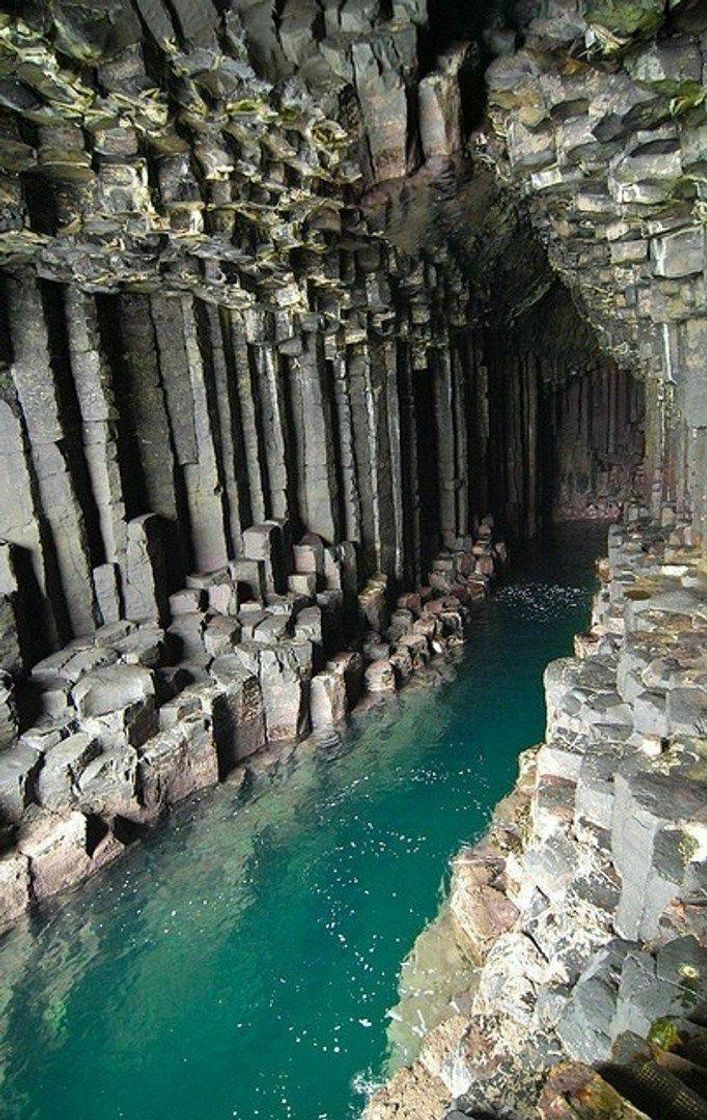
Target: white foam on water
x=364 y=1084
x=541 y=600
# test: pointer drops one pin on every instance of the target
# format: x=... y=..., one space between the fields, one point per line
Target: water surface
x=240 y=963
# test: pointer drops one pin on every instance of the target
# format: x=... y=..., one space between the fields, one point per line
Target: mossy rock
x=625 y=18
x=686 y=96
x=664 y=1033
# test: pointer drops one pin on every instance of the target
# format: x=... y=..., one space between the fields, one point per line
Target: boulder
x=480 y=910
x=328 y=704
x=145 y=582
x=237 y=711
x=108 y=784
x=380 y=676
x=373 y=603
x=265 y=545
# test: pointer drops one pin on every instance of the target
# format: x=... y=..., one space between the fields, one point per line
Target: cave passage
x=241 y=963
x=460 y=382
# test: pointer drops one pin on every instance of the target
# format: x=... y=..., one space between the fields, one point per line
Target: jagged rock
x=63 y=767
x=177 y=763
x=188 y=630
x=264 y=544
x=585 y=1028
x=328 y=701
x=8 y=711
x=647 y=805
x=373 y=603
x=221 y=635
x=145 y=584
x=10 y=658
x=401 y=660
x=576 y=1092
x=142 y=647
x=238 y=712
x=380 y=676
x=190 y=600
x=412 y=1094
x=112 y=689
x=14 y=887
x=439 y=106
x=107 y=785
x=62 y=849
x=19 y=767
x=481 y=912
x=249 y=576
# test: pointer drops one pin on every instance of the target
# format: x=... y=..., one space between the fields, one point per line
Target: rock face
x=600 y=126
x=583 y=907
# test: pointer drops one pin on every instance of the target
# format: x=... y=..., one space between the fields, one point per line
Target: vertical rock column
x=227 y=433
x=238 y=358
x=409 y=451
x=190 y=417
x=272 y=415
x=313 y=437
x=65 y=550
x=461 y=439
x=350 y=498
x=446 y=458
x=142 y=403
x=20 y=524
x=366 y=451
x=99 y=433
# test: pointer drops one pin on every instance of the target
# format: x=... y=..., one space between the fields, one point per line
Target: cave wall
x=396 y=428
x=222 y=305
x=598 y=122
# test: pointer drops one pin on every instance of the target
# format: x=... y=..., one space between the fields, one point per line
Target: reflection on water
x=240 y=964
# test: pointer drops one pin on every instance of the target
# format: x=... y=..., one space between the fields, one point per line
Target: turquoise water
x=240 y=963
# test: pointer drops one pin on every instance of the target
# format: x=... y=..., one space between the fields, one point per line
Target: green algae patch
x=689 y=96
x=604 y=1101
x=626 y=18
x=664 y=1033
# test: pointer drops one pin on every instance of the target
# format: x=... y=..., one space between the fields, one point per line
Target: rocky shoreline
x=145 y=712
x=581 y=914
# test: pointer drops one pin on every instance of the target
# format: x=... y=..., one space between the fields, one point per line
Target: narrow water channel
x=240 y=964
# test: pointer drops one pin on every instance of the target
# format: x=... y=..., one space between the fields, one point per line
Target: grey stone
x=586 y=1026
x=14 y=887
x=238 y=712
x=177 y=763
x=19 y=767
x=63 y=767
x=108 y=784
x=62 y=850
x=112 y=689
